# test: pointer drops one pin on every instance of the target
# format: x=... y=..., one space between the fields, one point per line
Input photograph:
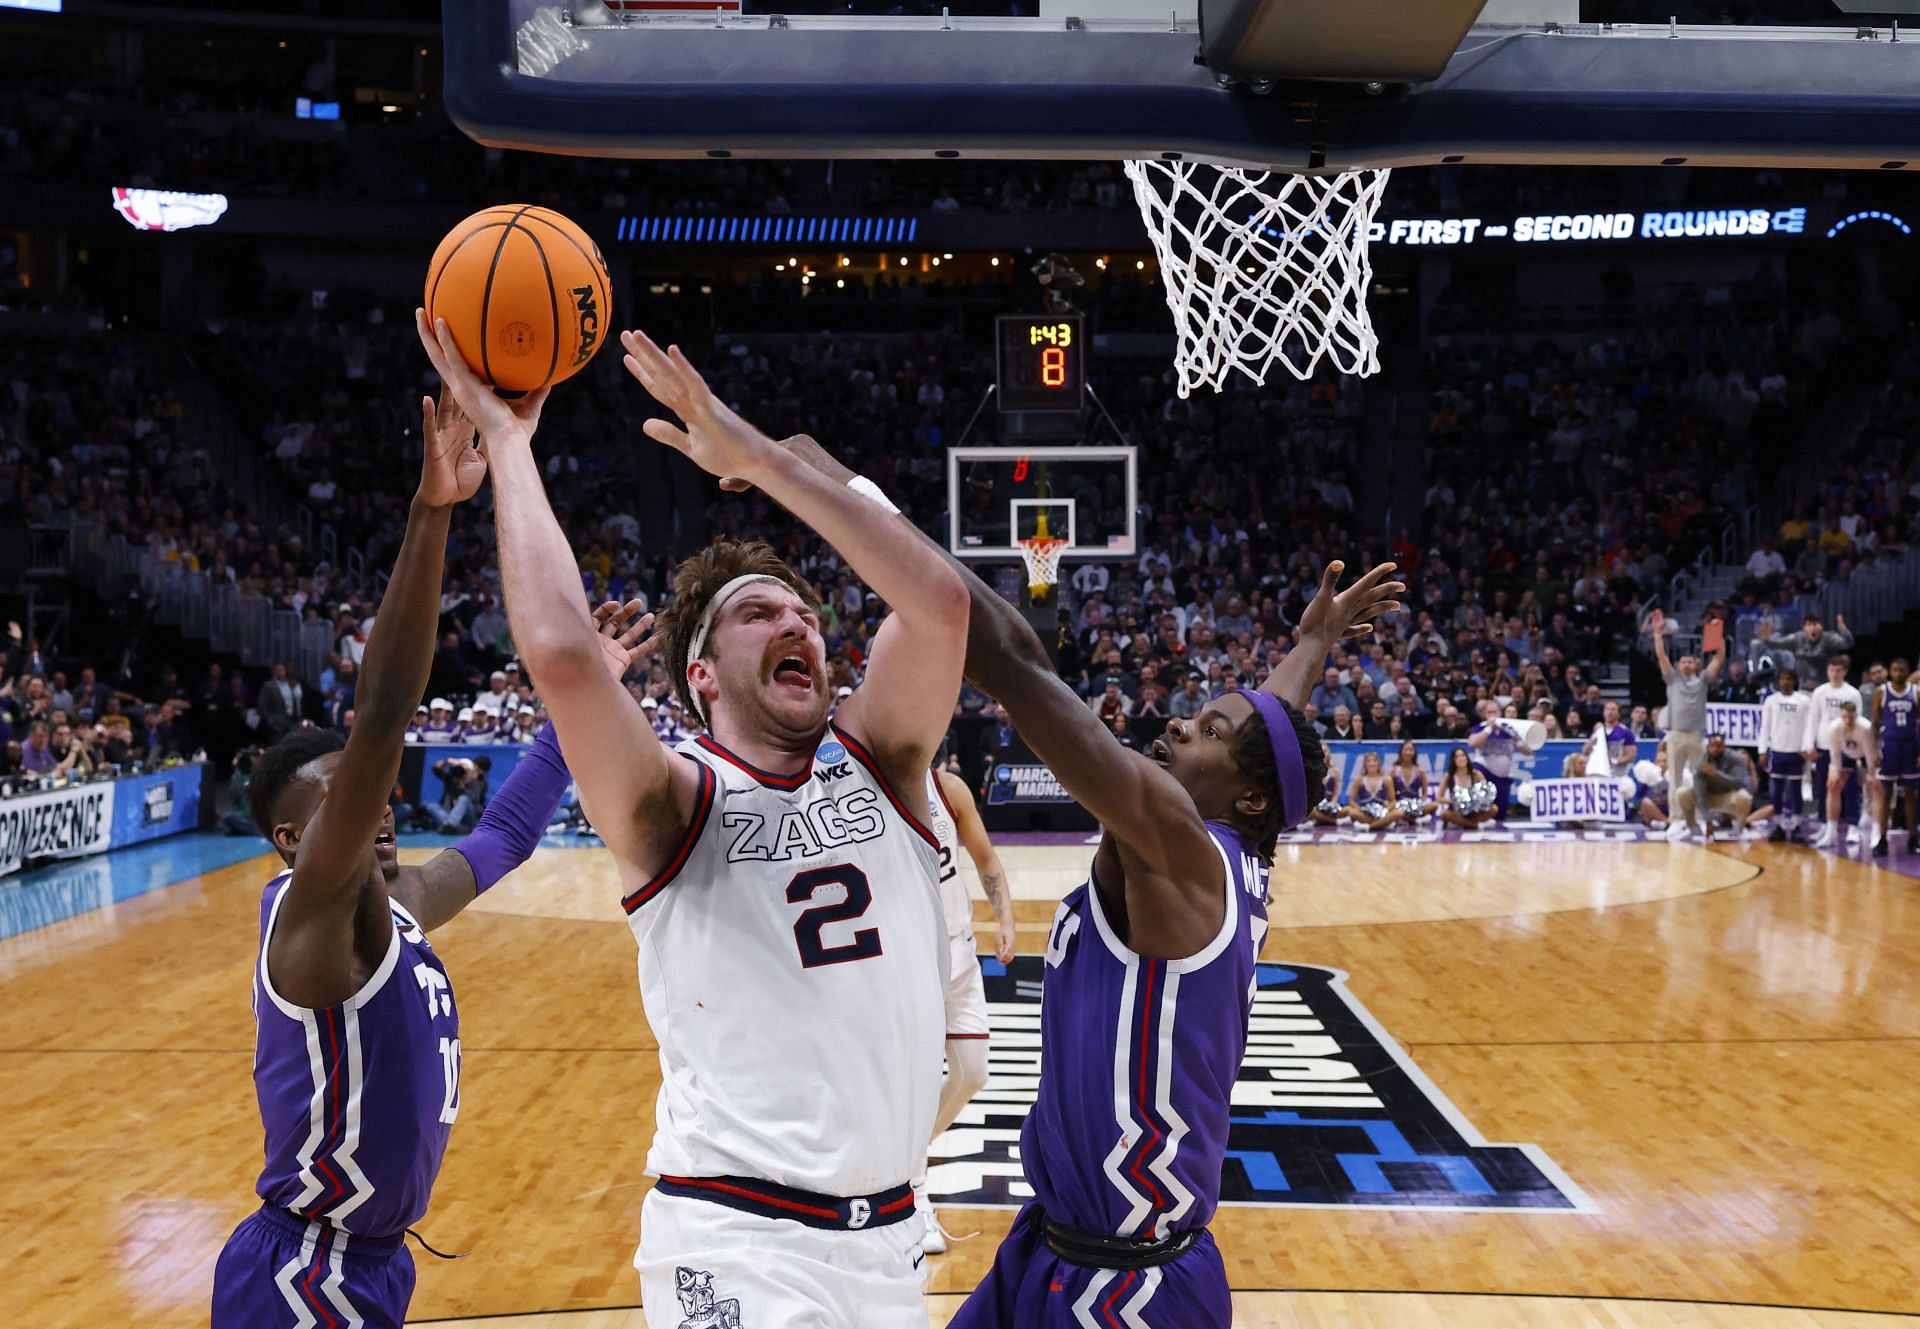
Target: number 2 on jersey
x=806 y=929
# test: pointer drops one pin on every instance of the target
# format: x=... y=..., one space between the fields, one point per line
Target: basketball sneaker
x=1826 y=838
x=1778 y=835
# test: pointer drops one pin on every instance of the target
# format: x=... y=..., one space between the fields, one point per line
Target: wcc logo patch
x=1327 y=1110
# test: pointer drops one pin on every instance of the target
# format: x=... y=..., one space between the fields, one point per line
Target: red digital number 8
x=1053 y=367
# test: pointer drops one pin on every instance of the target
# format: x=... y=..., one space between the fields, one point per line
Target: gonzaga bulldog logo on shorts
x=697 y=1303
x=1327 y=1110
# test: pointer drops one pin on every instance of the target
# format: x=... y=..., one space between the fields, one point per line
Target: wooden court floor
x=1721 y=1047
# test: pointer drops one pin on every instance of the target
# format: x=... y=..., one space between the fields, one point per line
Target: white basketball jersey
x=1827 y=700
x=793 y=967
x=954 y=900
x=1855 y=743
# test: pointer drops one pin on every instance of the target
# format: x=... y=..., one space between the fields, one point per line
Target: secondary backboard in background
x=997 y=495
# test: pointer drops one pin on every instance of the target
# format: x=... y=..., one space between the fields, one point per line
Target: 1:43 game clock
x=1042 y=365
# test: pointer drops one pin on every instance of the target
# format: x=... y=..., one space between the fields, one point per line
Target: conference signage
x=65 y=823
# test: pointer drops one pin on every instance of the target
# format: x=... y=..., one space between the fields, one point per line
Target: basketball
x=525 y=293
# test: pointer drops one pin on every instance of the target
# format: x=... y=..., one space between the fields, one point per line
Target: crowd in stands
x=1568 y=481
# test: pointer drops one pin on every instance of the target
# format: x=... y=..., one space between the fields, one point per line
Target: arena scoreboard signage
x=1554 y=228
x=1042 y=363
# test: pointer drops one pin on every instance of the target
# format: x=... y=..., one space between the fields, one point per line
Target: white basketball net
x=1262 y=267
x=1041 y=554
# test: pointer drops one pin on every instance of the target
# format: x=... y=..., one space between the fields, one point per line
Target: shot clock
x=1042 y=364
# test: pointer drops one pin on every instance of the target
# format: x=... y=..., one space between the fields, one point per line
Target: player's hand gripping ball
x=525 y=294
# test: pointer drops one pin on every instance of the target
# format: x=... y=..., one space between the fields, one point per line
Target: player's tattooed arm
x=330 y=933
x=1332 y=617
x=979 y=846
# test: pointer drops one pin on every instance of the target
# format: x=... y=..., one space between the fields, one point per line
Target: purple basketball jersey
x=1897 y=715
x=357 y=1099
x=1129 y=1132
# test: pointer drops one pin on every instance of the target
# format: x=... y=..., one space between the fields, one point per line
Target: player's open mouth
x=1157 y=750
x=793 y=672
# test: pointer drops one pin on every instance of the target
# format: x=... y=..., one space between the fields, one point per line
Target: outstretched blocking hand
x=808 y=450
x=626 y=635
x=495 y=418
x=718 y=441
x=451 y=468
x=1334 y=616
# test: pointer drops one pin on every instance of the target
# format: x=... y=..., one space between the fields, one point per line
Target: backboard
x=1087 y=496
x=1098 y=79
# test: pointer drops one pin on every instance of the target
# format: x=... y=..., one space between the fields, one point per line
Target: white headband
x=705 y=626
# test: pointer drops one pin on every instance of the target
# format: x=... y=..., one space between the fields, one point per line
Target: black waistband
x=1098 y=1252
x=351 y=1245
x=835 y=1213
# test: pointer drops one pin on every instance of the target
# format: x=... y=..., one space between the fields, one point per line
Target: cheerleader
x=1370 y=800
x=1328 y=812
x=1467 y=798
x=1410 y=794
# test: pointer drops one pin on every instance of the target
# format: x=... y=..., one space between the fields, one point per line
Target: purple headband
x=1286 y=754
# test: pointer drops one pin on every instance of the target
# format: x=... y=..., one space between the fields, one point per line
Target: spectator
x=1808 y=650
x=495 y=699
x=281 y=703
x=37 y=756
x=1332 y=693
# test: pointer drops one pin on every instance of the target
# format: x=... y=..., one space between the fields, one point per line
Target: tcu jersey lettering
x=790 y=965
x=1129 y=1130
x=1897 y=715
x=357 y=1099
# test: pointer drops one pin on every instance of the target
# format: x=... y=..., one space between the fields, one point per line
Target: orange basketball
x=525 y=293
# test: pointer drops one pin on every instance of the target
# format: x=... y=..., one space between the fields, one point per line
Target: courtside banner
x=1578 y=800
x=65 y=823
x=1546 y=764
x=1739 y=722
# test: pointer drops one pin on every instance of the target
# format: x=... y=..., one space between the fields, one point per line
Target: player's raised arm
x=1331 y=617
x=906 y=702
x=1656 y=624
x=637 y=794
x=322 y=927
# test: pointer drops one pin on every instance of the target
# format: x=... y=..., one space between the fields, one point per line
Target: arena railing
x=228 y=620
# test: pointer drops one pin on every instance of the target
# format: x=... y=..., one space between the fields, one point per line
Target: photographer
x=463 y=794
x=237 y=820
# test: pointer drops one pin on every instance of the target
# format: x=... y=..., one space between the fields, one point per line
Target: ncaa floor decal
x=1328 y=1111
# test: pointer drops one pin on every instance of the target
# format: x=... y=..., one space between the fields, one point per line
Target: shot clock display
x=1042 y=363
